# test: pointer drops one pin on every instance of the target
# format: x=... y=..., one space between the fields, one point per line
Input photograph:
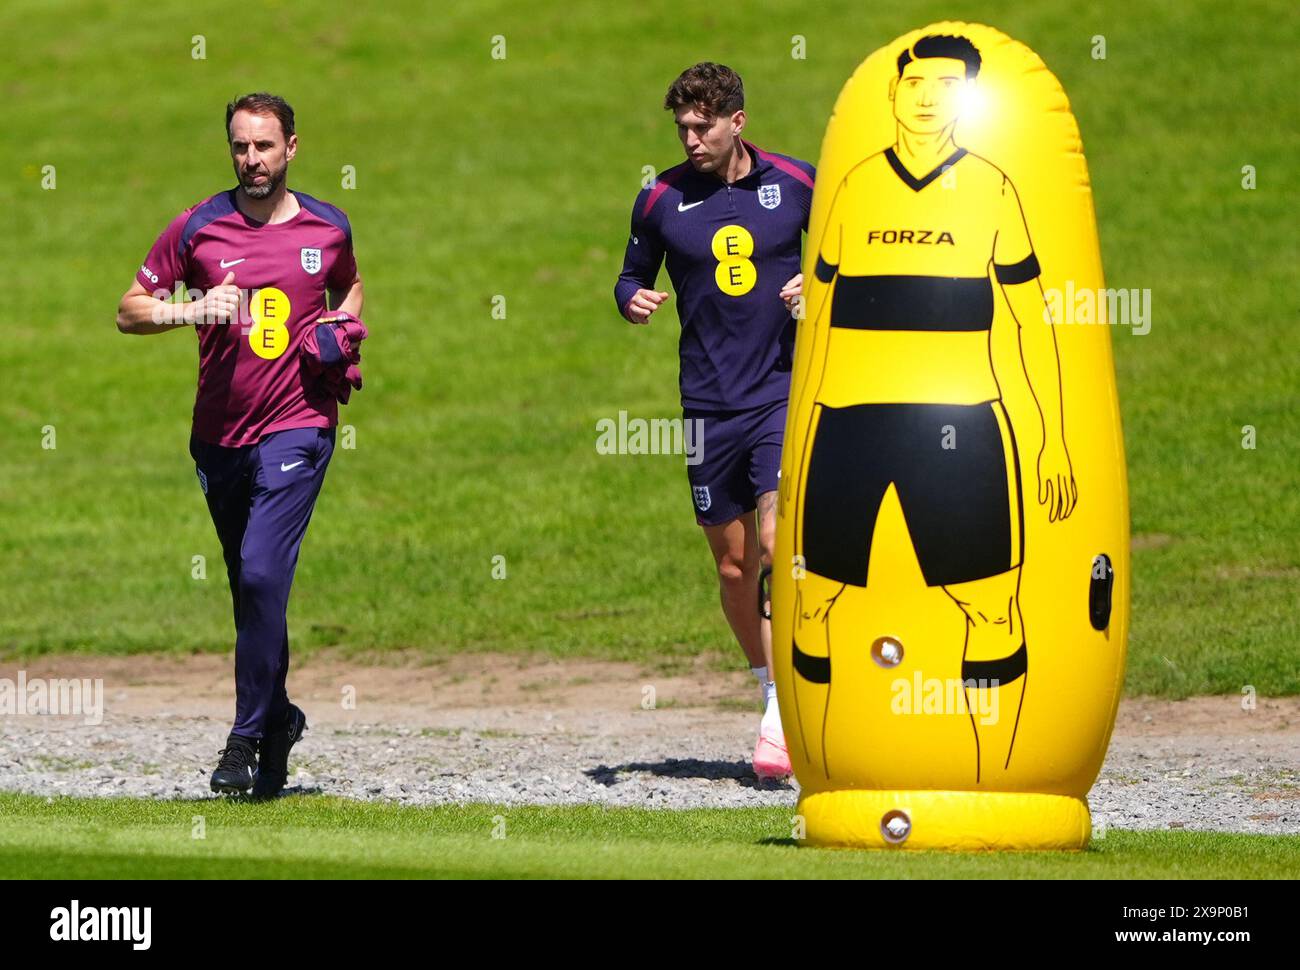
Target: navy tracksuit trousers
x=261 y=498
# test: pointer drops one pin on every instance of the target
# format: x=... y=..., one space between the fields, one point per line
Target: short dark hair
x=714 y=87
x=263 y=104
x=943 y=45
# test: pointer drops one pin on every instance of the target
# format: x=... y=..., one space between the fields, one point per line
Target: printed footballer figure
x=905 y=263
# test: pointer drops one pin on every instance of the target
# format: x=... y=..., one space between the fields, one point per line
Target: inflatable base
x=952 y=820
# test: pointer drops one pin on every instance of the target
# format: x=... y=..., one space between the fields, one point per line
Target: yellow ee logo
x=269 y=336
x=732 y=247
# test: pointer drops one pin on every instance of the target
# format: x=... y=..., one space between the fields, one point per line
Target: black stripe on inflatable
x=810 y=668
x=1004 y=670
x=917 y=184
x=1021 y=272
x=913 y=303
x=1020 y=494
x=825 y=271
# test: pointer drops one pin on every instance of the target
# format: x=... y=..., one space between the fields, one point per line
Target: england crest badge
x=311 y=260
x=702 y=499
x=769 y=196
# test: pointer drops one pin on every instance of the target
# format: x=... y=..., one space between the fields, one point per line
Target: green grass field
x=318 y=837
x=475 y=436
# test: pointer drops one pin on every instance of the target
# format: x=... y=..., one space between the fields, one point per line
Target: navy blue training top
x=730 y=249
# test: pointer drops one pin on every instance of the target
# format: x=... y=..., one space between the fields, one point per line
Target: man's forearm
x=348 y=301
x=1039 y=356
x=145 y=315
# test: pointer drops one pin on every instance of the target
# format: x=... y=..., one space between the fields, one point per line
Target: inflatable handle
x=1099 y=592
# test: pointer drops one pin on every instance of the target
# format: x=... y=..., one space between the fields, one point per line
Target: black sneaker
x=273 y=764
x=237 y=770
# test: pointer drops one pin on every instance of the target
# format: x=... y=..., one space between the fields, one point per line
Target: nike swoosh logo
x=289 y=468
x=233 y=262
x=683 y=208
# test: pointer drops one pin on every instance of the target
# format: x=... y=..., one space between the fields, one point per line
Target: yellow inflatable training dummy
x=950 y=594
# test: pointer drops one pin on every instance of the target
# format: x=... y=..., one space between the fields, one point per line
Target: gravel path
x=497 y=729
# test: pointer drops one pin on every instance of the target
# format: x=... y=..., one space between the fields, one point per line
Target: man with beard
x=262 y=434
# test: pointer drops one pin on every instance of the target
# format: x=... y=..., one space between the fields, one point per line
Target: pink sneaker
x=771 y=759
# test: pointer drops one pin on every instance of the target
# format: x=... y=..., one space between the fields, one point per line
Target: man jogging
x=728 y=222
x=264 y=259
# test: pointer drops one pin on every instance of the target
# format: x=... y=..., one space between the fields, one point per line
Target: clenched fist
x=642 y=304
x=219 y=305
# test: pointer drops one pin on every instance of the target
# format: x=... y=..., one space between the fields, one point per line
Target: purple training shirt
x=250 y=378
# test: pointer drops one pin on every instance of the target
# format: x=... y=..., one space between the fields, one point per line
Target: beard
x=260 y=190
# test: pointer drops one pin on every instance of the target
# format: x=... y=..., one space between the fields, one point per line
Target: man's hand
x=791 y=292
x=218 y=305
x=642 y=304
x=1056 y=486
x=140 y=312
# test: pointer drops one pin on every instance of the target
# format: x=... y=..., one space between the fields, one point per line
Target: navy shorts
x=957 y=475
x=739 y=459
